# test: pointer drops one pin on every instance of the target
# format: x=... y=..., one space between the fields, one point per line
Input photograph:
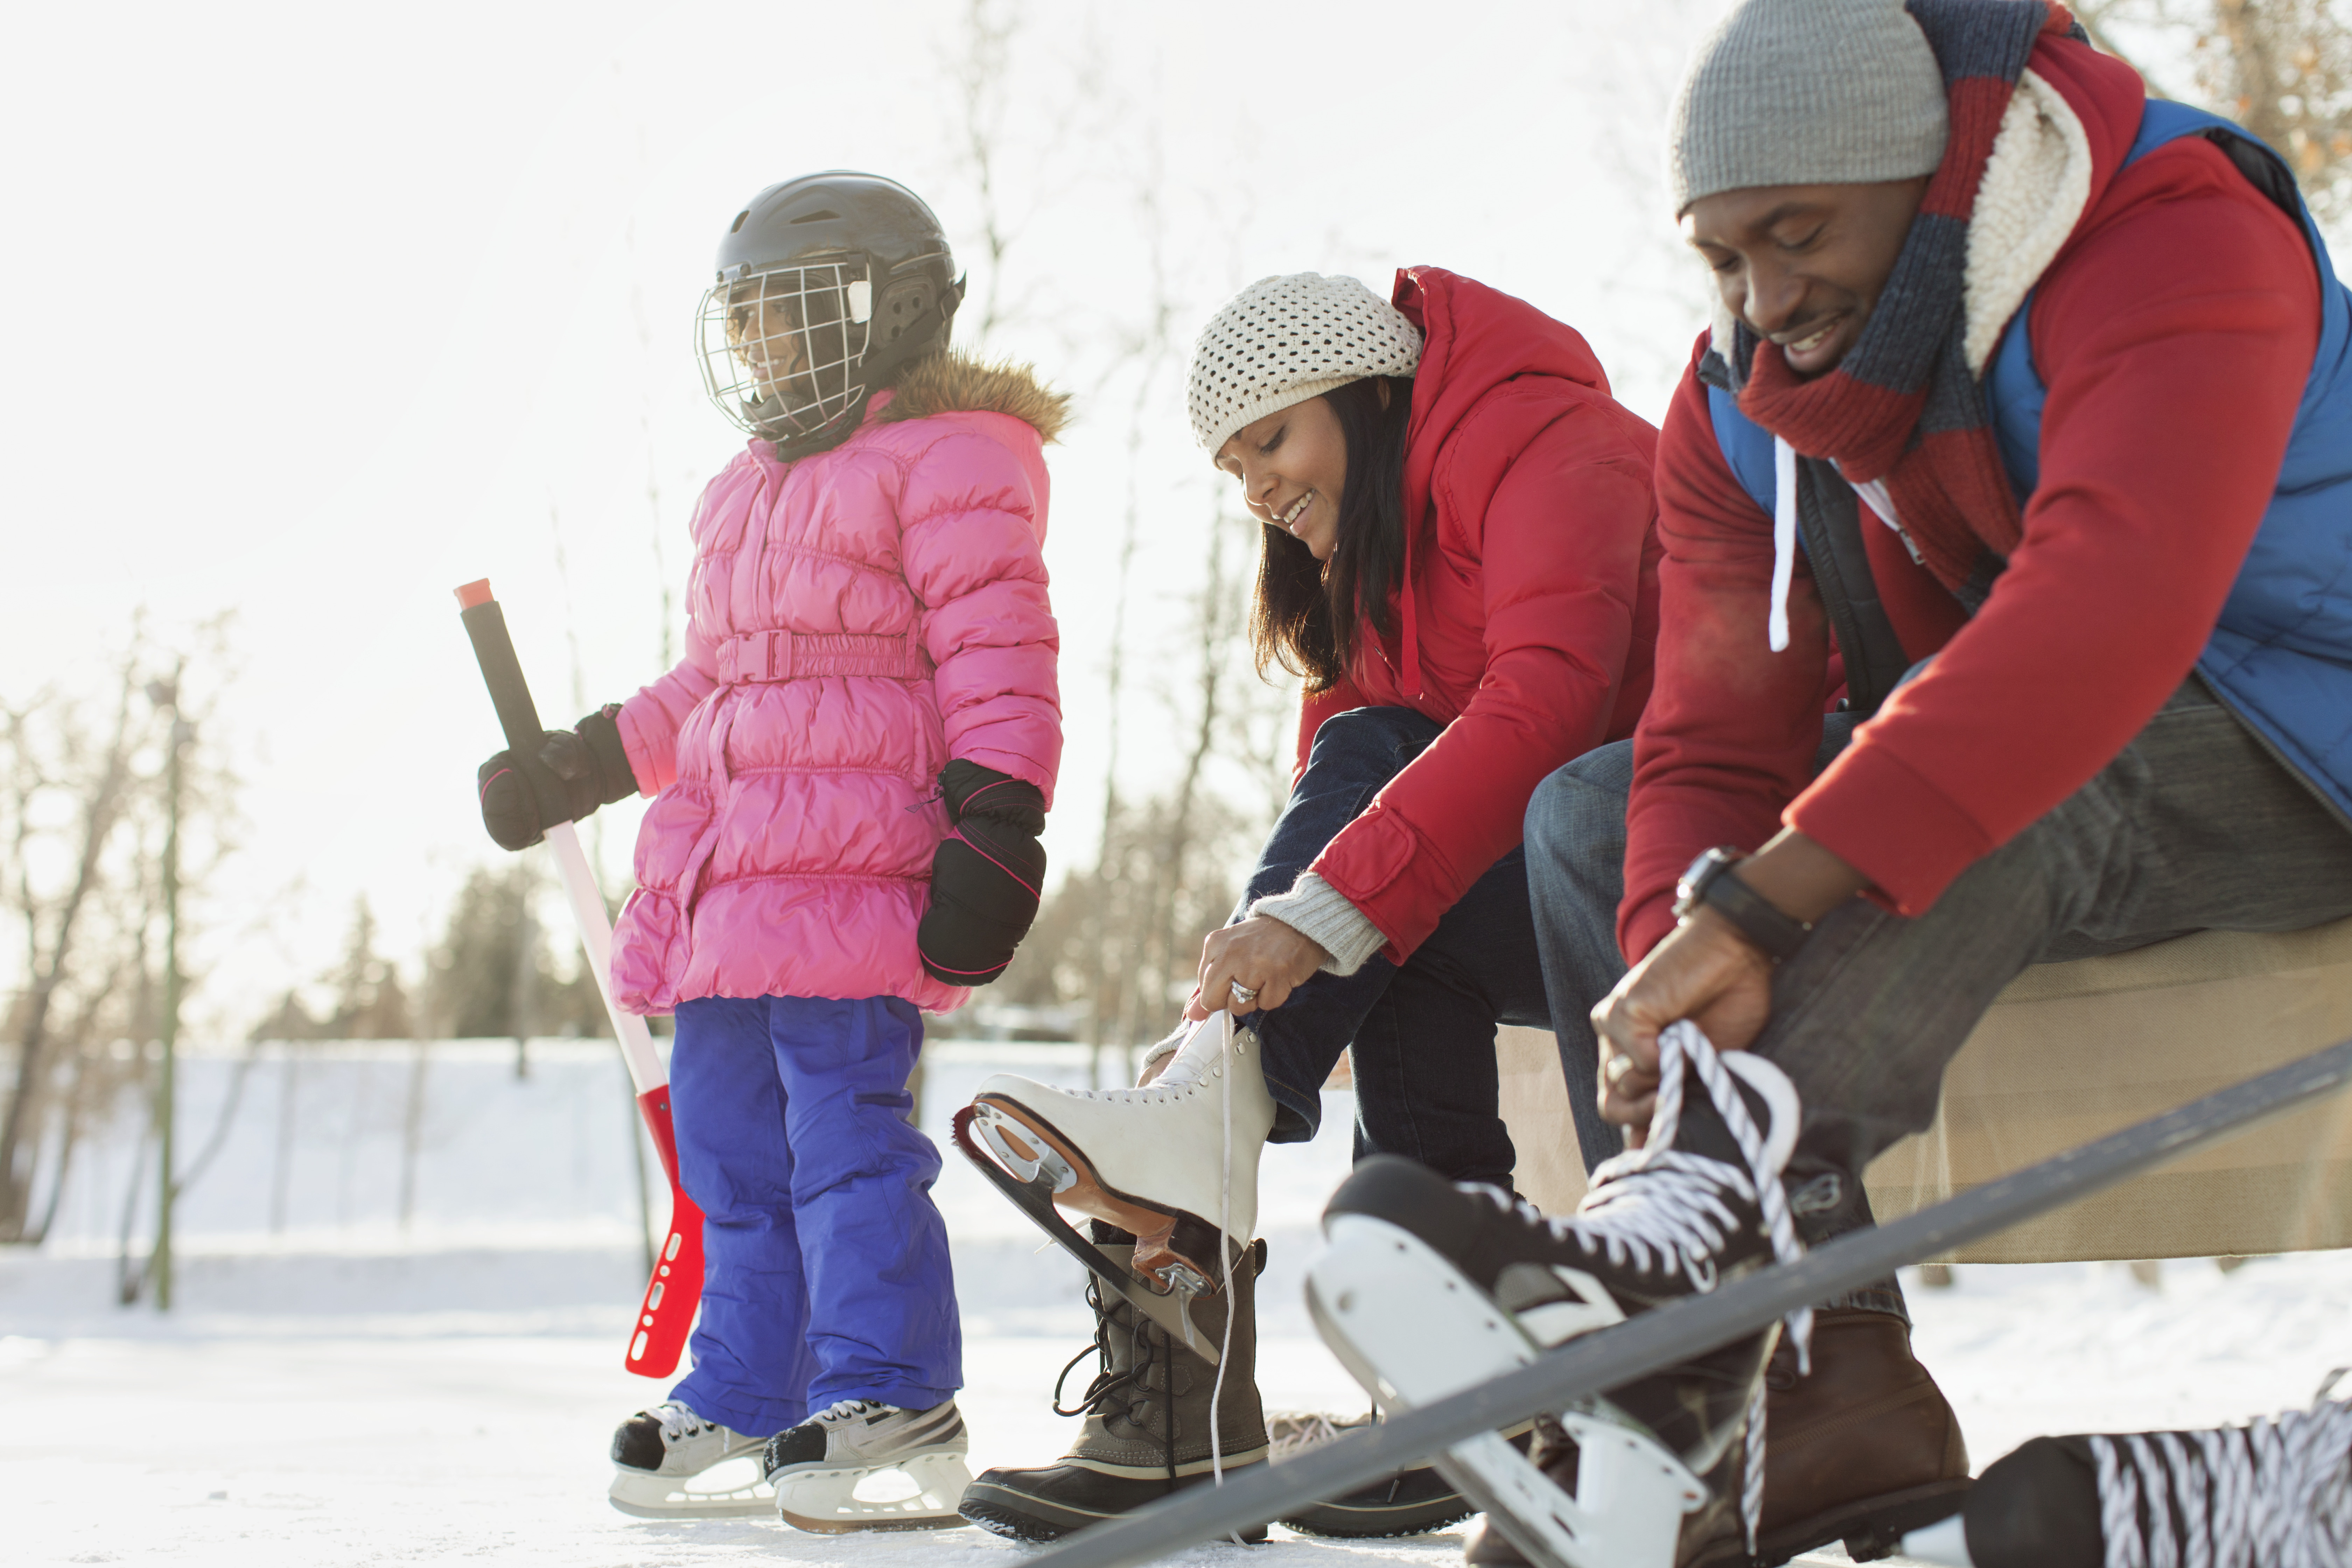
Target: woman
x=1460 y=560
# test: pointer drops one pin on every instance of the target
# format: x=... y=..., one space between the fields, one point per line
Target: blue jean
x=1423 y=1031
x=2193 y=827
x=825 y=1272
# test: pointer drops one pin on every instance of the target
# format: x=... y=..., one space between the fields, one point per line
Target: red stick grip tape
x=473 y=594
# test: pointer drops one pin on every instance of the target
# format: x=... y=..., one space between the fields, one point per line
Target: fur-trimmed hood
x=953 y=381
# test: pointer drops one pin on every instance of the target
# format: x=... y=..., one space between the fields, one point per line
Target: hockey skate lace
x=2275 y=1493
x=1676 y=1218
x=677 y=1421
x=843 y=1409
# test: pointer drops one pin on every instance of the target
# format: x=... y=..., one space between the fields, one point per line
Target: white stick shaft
x=645 y=1069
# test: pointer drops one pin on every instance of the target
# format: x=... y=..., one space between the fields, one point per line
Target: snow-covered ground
x=342 y=1391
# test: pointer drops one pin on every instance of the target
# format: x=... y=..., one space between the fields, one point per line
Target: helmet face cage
x=782 y=349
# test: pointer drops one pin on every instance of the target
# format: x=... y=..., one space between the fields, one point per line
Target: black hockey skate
x=2275 y=1493
x=1429 y=1289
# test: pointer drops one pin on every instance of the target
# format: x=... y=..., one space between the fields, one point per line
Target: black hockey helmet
x=826 y=285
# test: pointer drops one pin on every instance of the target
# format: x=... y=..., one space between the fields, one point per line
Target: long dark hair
x=1309 y=614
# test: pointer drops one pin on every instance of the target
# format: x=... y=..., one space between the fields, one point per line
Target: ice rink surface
x=351 y=1393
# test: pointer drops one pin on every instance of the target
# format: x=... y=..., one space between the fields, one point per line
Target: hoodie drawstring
x=1784 y=541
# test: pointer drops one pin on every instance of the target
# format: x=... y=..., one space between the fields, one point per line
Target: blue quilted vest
x=2281 y=653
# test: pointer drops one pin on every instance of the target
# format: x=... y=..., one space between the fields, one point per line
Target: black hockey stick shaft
x=1616 y=1356
x=486 y=628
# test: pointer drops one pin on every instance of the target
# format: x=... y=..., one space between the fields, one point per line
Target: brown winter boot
x=1147 y=1410
x=1863 y=1450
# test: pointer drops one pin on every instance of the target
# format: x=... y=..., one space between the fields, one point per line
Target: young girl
x=850 y=769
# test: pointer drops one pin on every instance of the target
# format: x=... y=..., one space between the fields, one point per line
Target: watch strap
x=1776 y=934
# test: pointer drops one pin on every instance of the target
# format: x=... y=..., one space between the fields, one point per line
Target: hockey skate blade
x=825 y=1501
x=1411 y=1329
x=1403 y=1319
x=1944 y=1542
x=641 y=1495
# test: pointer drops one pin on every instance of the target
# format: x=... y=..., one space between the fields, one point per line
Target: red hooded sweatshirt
x=1529 y=601
x=2175 y=330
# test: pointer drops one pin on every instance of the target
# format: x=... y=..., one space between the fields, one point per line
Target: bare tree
x=2281 y=69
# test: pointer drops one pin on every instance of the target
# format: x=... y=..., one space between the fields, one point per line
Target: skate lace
x=678 y=1421
x=841 y=1410
x=1666 y=1211
x=2275 y=1493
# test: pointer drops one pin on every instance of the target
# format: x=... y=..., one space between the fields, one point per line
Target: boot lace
x=1664 y=1210
x=1113 y=1392
x=2275 y=1493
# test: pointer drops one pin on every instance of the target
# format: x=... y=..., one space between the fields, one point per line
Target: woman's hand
x=1260 y=955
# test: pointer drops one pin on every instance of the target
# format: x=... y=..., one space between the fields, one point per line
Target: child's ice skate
x=669 y=1463
x=862 y=1465
x=2275 y=1493
x=1174 y=1163
x=1428 y=1288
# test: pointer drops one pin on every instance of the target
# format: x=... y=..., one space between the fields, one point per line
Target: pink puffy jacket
x=855 y=621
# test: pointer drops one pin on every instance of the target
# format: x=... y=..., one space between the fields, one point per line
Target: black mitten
x=576 y=771
x=985 y=876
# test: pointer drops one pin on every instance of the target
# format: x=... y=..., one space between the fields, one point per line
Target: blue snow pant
x=825 y=1272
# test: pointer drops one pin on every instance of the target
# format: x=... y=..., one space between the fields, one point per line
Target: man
x=2023 y=420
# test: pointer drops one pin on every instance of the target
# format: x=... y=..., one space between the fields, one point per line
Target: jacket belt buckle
x=778 y=668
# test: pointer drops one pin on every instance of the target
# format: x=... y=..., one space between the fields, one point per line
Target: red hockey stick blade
x=666 y=1316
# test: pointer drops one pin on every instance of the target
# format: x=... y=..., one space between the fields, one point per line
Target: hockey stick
x=1618 y=1355
x=676 y=1290
x=1035 y=1199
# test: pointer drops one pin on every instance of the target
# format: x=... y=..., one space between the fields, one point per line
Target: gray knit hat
x=1281 y=340
x=1805 y=92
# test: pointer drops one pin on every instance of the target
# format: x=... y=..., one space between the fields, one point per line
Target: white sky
x=317 y=311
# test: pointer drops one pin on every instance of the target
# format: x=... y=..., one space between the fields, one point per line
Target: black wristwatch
x=1709 y=881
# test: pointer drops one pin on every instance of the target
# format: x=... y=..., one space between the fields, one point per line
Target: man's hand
x=1704 y=971
x=1260 y=955
x=1707 y=972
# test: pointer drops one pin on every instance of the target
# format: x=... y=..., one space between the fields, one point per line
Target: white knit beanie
x=1281 y=340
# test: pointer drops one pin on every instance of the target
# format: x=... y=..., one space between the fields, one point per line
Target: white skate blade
x=644 y=1496
x=1402 y=1319
x=1944 y=1542
x=919 y=1492
x=1412 y=1331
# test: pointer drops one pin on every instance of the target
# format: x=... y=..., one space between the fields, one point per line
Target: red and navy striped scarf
x=1902 y=405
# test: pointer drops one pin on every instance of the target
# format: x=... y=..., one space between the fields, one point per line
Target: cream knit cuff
x=1319 y=911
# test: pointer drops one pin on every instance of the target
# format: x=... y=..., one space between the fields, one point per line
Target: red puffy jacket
x=1530 y=603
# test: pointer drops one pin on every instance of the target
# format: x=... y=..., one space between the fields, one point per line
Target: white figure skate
x=1173 y=1161
x=860 y=1465
x=669 y=1463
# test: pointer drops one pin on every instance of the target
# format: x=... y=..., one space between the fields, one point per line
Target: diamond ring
x=1244 y=994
